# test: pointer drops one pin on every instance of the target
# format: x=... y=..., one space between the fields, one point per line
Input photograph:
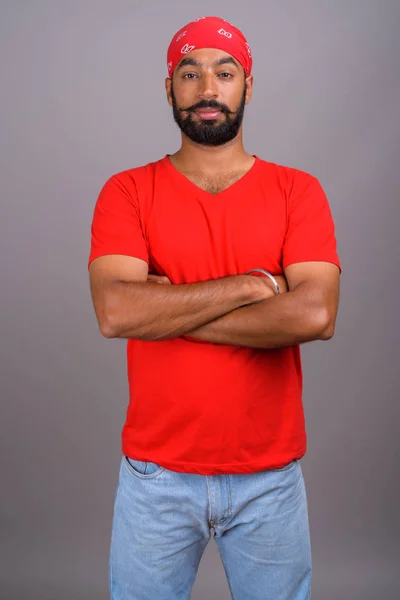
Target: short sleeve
x=310 y=234
x=116 y=226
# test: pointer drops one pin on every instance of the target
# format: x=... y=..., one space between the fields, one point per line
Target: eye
x=225 y=75
x=189 y=75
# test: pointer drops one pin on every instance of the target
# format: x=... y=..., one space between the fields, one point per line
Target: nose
x=208 y=86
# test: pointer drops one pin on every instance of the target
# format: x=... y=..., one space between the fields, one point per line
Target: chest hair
x=216 y=183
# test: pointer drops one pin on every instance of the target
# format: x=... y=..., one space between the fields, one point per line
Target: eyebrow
x=225 y=60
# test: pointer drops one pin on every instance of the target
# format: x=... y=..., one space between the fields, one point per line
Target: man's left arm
x=306 y=312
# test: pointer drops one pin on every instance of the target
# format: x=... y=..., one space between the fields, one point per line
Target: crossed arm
x=239 y=310
x=305 y=312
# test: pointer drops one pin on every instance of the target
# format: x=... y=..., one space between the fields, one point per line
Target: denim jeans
x=163 y=521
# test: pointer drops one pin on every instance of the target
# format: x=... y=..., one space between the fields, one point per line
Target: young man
x=214 y=431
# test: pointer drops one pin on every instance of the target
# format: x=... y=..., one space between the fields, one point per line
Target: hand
x=157 y=279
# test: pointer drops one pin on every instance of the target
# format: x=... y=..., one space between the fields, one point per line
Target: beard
x=209 y=132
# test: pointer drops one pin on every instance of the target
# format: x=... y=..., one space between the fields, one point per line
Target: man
x=214 y=431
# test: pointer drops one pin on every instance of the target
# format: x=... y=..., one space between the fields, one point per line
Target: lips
x=208 y=113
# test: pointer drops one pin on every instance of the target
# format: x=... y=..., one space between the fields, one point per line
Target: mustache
x=210 y=104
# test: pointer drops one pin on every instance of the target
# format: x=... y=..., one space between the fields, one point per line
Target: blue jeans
x=163 y=521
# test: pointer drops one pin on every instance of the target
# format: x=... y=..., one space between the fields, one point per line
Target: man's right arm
x=127 y=306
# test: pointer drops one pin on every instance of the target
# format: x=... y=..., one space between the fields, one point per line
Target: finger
x=157 y=279
x=152 y=279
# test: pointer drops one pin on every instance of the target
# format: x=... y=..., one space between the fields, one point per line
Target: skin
x=240 y=310
x=224 y=84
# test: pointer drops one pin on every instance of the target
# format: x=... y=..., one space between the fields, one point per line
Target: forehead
x=207 y=57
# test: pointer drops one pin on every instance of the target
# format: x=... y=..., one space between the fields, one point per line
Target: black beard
x=208 y=133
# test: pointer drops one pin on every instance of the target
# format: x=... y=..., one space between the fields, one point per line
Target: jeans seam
x=230 y=510
x=209 y=498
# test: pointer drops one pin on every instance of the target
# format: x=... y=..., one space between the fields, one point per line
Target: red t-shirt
x=201 y=407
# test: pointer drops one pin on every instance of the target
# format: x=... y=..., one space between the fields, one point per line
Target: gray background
x=82 y=97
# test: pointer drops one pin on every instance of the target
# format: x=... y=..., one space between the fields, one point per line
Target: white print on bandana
x=199 y=19
x=169 y=65
x=225 y=33
x=186 y=48
x=248 y=49
x=180 y=36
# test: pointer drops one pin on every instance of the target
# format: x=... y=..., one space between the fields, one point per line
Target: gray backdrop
x=82 y=90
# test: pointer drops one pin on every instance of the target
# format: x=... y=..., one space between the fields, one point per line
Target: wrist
x=256 y=288
x=266 y=280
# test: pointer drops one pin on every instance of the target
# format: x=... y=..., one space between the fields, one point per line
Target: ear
x=249 y=88
x=168 y=84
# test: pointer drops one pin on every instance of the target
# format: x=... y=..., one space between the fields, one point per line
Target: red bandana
x=209 y=32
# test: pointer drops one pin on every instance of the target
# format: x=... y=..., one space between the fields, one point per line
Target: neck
x=211 y=159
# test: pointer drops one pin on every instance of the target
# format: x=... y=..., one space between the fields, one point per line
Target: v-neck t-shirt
x=200 y=407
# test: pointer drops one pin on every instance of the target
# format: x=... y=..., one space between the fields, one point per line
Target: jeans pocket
x=142 y=469
x=286 y=467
